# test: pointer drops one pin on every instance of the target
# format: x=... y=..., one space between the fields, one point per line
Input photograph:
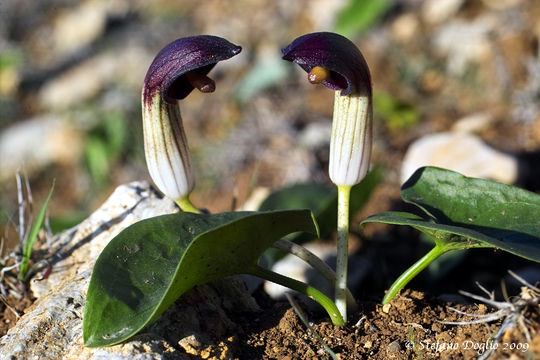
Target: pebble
x=435 y=12
x=473 y=123
x=461 y=152
x=85 y=81
x=58 y=142
x=393 y=349
x=405 y=27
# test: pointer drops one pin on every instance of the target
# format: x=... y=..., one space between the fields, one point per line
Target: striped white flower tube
x=350 y=144
x=166 y=149
x=179 y=67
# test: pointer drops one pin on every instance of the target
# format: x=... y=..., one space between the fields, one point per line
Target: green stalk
x=316 y=263
x=301 y=287
x=411 y=272
x=186 y=205
x=344 y=192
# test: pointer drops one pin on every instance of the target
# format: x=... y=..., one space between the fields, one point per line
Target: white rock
x=35 y=143
x=52 y=327
x=405 y=27
x=473 y=123
x=461 y=152
x=435 y=12
x=86 y=80
x=78 y=26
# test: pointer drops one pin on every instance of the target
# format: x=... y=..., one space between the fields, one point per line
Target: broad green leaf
x=468 y=212
x=144 y=269
x=502 y=211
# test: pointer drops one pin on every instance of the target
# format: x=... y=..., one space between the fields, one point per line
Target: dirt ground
x=408 y=328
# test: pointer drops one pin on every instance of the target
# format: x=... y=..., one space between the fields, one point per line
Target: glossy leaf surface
x=144 y=269
x=469 y=212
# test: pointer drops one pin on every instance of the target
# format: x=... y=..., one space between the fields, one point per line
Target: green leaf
x=144 y=269
x=32 y=236
x=359 y=15
x=468 y=212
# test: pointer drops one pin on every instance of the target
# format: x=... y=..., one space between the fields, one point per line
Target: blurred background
x=457 y=84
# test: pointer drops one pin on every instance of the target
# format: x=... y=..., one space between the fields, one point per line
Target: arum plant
x=146 y=267
x=335 y=62
x=179 y=68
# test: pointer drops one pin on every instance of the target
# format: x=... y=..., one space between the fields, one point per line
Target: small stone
x=386 y=308
x=405 y=27
x=435 y=12
x=190 y=344
x=87 y=79
x=473 y=123
x=368 y=344
x=464 y=153
x=393 y=349
x=482 y=309
x=205 y=354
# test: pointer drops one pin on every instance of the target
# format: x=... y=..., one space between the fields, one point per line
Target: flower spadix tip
x=318 y=75
x=201 y=82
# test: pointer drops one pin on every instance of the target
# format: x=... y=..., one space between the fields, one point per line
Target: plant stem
x=315 y=262
x=411 y=272
x=186 y=205
x=301 y=287
x=344 y=192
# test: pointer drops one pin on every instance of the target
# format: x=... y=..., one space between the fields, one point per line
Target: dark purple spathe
x=194 y=53
x=348 y=68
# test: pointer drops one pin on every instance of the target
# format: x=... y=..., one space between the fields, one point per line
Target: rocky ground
x=456 y=84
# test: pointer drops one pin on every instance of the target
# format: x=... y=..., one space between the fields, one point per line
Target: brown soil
x=11 y=309
x=408 y=328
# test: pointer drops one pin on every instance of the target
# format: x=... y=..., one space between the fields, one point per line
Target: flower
x=336 y=62
x=178 y=68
